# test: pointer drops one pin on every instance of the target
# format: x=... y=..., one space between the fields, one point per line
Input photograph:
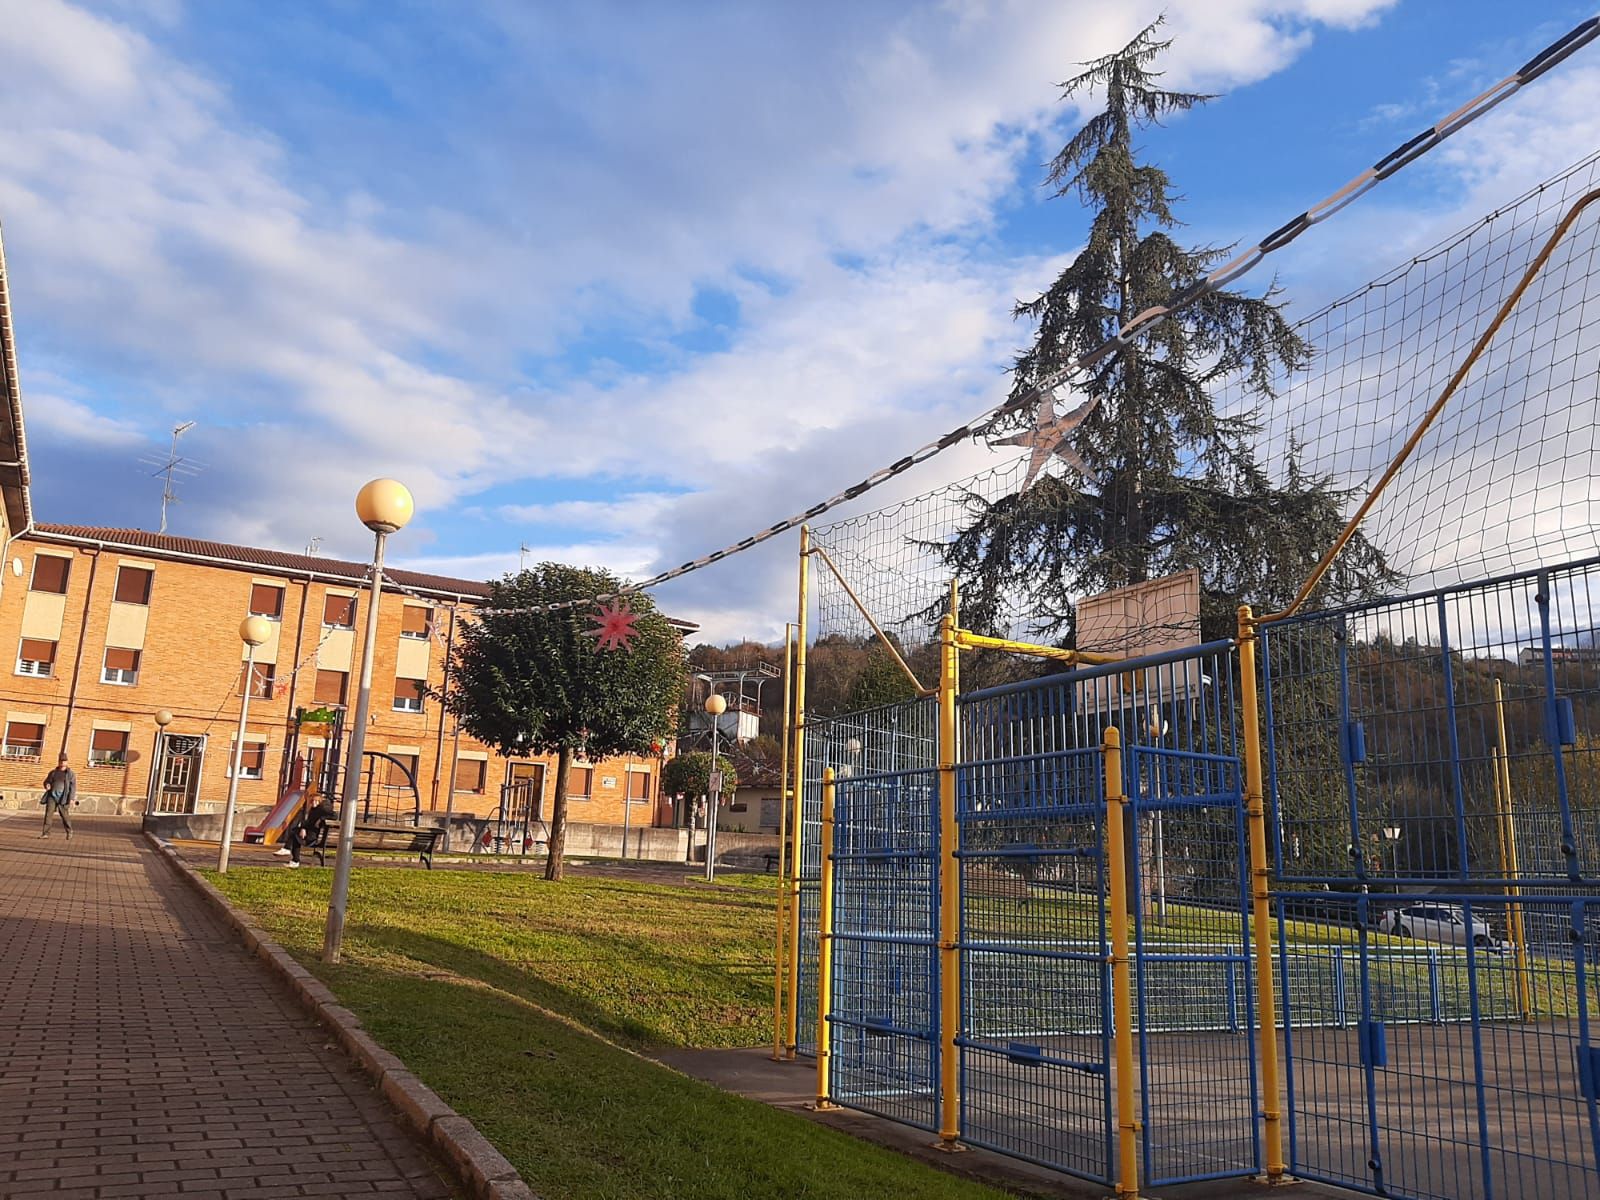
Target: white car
x=1438 y=923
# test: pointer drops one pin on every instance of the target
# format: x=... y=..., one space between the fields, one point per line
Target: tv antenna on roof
x=173 y=468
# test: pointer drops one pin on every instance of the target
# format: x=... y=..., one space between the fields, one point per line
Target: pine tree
x=1170 y=482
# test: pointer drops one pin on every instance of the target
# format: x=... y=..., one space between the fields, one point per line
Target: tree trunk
x=558 y=817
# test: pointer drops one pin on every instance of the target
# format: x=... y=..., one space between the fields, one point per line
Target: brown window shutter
x=118 y=659
x=35 y=650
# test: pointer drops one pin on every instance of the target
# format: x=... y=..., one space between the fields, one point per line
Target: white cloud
x=322 y=337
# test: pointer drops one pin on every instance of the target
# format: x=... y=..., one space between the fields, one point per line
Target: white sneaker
x=282 y=852
x=292 y=863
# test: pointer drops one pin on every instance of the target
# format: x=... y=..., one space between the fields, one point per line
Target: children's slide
x=285 y=810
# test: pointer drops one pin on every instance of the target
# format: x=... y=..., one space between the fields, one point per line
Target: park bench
x=412 y=839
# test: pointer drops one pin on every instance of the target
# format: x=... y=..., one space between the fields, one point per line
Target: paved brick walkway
x=144 y=1052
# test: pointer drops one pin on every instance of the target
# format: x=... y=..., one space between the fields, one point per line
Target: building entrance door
x=178 y=764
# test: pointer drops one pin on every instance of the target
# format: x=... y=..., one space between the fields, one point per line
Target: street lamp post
x=384 y=507
x=253 y=631
x=163 y=719
x=715 y=707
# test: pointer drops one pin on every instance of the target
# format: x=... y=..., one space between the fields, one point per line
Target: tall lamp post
x=163 y=719
x=384 y=507
x=715 y=707
x=253 y=631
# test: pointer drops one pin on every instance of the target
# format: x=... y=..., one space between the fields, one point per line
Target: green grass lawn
x=524 y=1003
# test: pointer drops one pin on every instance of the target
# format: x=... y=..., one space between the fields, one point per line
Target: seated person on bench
x=307 y=829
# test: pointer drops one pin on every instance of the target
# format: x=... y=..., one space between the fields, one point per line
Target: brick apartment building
x=109 y=626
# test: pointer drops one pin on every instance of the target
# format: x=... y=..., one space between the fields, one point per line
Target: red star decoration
x=614 y=627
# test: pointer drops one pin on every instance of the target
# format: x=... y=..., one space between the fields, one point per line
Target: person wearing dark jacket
x=60 y=793
x=306 y=829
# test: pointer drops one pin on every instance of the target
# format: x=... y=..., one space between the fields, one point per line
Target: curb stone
x=478 y=1166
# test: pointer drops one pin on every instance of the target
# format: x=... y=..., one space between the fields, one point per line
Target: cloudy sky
x=624 y=282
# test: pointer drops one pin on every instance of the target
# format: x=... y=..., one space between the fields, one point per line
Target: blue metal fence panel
x=886 y=741
x=1444 y=868
x=1035 y=1033
x=1192 y=966
x=884 y=1022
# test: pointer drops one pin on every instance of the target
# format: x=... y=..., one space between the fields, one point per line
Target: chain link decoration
x=1390 y=164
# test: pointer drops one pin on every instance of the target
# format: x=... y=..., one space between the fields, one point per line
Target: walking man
x=60 y=793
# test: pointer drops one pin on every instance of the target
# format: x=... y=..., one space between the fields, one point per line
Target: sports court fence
x=1419 y=759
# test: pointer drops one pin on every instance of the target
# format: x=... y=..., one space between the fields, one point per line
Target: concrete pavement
x=145 y=1052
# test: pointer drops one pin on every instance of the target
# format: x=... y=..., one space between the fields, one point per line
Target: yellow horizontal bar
x=968 y=640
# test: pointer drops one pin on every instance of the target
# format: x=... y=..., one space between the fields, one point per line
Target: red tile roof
x=275 y=560
x=442 y=586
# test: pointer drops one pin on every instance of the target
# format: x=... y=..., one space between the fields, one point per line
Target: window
x=408 y=695
x=638 y=785
x=35 y=657
x=339 y=612
x=133 y=585
x=24 y=739
x=266 y=600
x=396 y=776
x=330 y=687
x=251 y=760
x=471 y=774
x=579 y=783
x=261 y=681
x=108 y=748
x=415 y=622
x=50 y=573
x=122 y=666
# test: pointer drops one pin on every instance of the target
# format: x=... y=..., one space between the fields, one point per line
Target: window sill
x=34 y=675
x=32 y=757
x=412 y=712
x=120 y=682
x=110 y=766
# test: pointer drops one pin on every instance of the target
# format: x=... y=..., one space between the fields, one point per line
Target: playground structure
x=1123 y=920
x=314 y=774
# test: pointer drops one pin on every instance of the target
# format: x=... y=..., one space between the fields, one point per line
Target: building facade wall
x=191 y=664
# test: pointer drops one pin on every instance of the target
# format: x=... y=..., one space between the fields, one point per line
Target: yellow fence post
x=1121 y=980
x=1508 y=855
x=949 y=889
x=780 y=960
x=1255 y=807
x=797 y=757
x=825 y=946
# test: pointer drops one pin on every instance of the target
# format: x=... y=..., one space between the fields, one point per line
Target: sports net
x=1502 y=479
x=1500 y=482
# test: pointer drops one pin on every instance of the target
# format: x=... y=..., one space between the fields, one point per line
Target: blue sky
x=625 y=282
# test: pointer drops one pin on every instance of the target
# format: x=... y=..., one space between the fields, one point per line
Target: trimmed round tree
x=526 y=680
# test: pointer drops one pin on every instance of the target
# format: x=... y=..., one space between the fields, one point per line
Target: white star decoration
x=1049 y=437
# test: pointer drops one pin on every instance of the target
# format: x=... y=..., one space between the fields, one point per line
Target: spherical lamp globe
x=716 y=705
x=384 y=505
x=255 y=630
x=163 y=717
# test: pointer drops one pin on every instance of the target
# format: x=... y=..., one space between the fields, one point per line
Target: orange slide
x=270 y=831
x=288 y=807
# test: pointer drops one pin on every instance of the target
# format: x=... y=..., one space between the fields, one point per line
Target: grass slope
x=488 y=987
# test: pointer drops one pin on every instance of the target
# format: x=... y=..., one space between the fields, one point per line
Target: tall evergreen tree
x=1167 y=482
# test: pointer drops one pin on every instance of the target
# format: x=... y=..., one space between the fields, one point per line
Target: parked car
x=1438 y=923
